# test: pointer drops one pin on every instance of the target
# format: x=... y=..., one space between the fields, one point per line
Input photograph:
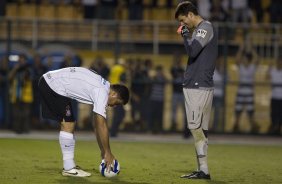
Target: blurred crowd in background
x=147 y=81
x=19 y=76
x=152 y=85
x=214 y=10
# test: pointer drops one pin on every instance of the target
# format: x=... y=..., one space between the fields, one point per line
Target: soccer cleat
x=76 y=172
x=197 y=175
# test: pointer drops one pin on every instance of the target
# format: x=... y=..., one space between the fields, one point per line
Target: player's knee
x=68 y=126
x=200 y=141
x=205 y=133
x=198 y=135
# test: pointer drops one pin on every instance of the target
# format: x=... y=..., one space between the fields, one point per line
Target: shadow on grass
x=215 y=182
x=87 y=180
x=212 y=181
x=72 y=180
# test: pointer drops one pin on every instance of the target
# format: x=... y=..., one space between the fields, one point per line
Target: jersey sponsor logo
x=93 y=71
x=49 y=76
x=201 y=33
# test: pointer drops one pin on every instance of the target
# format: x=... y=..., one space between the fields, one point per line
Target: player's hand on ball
x=183 y=31
x=113 y=171
x=109 y=159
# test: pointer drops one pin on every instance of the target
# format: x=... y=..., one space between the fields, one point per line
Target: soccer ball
x=115 y=169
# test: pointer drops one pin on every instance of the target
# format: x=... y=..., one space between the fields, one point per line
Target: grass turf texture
x=39 y=161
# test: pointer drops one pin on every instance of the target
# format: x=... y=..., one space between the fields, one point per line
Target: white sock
x=201 y=145
x=67 y=143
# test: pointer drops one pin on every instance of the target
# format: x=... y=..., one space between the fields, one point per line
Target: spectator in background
x=49 y=63
x=3 y=8
x=275 y=76
x=275 y=10
x=218 y=95
x=38 y=69
x=62 y=2
x=135 y=9
x=157 y=101
x=204 y=8
x=147 y=70
x=139 y=90
x=256 y=8
x=67 y=62
x=100 y=67
x=4 y=69
x=117 y=76
x=240 y=11
x=107 y=9
x=90 y=9
x=21 y=95
x=247 y=61
x=177 y=73
x=218 y=12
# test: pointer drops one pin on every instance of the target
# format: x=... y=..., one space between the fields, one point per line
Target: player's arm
x=255 y=56
x=270 y=67
x=12 y=73
x=102 y=135
x=195 y=44
x=239 y=53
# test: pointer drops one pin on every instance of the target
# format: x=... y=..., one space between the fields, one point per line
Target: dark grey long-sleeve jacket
x=202 y=49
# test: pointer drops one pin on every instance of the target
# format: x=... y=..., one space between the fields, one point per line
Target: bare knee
x=68 y=127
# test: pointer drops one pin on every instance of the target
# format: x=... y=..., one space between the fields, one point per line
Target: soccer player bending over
x=200 y=42
x=58 y=87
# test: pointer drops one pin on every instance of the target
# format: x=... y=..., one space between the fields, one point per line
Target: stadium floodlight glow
x=14 y=58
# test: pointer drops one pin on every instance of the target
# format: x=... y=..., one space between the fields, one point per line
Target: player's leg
x=67 y=143
x=200 y=134
x=250 y=111
x=201 y=144
x=239 y=106
x=236 y=128
x=198 y=108
x=174 y=112
x=57 y=107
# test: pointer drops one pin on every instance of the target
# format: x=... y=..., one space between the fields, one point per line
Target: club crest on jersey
x=72 y=69
x=103 y=81
x=201 y=33
x=68 y=112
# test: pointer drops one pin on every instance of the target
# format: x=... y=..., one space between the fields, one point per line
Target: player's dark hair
x=122 y=91
x=184 y=8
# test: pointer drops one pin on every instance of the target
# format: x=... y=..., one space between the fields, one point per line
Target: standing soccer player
x=58 y=87
x=200 y=42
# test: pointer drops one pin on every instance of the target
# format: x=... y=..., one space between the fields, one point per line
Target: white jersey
x=246 y=78
x=80 y=84
x=247 y=74
x=276 y=81
x=218 y=83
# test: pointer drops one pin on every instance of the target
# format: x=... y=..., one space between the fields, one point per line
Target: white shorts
x=198 y=104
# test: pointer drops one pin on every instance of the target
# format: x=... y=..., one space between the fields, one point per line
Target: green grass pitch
x=39 y=161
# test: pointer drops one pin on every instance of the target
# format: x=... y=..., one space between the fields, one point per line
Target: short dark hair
x=184 y=8
x=122 y=91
